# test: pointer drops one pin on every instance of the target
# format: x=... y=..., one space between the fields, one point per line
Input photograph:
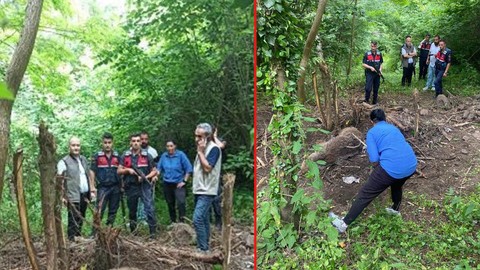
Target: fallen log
x=344 y=145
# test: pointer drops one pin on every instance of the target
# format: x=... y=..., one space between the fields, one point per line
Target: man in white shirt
x=434 y=48
x=77 y=187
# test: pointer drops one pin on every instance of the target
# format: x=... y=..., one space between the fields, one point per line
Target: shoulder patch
x=115 y=153
x=101 y=153
x=144 y=152
x=128 y=153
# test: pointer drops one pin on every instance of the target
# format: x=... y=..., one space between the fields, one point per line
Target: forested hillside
x=312 y=123
x=124 y=67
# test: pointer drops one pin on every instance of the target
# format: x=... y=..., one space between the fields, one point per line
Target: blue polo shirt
x=386 y=144
x=174 y=167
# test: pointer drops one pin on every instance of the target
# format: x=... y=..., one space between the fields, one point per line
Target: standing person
x=103 y=172
x=217 y=208
x=372 y=62
x=133 y=164
x=144 y=139
x=434 y=48
x=77 y=187
x=206 y=175
x=443 y=58
x=175 y=169
x=408 y=60
x=424 y=48
x=394 y=162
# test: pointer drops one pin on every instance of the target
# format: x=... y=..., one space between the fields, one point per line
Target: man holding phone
x=206 y=176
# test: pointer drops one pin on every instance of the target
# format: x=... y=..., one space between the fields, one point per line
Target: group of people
x=135 y=173
x=434 y=58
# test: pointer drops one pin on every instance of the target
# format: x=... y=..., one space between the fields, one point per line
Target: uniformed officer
x=139 y=175
x=372 y=62
x=103 y=171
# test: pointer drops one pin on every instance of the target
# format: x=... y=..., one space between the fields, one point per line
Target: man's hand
x=372 y=69
x=202 y=145
x=154 y=179
x=181 y=184
x=445 y=74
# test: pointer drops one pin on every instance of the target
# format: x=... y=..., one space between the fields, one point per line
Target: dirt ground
x=140 y=253
x=447 y=146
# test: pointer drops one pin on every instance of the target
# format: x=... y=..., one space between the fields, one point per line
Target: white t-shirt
x=62 y=167
x=433 y=51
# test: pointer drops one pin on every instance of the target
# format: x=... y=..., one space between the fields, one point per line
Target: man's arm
x=125 y=171
x=92 y=181
x=372 y=149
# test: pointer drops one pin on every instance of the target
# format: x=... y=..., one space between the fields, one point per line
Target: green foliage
x=385 y=242
x=5 y=93
x=94 y=70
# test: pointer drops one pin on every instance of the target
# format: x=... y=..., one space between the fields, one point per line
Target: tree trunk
x=22 y=208
x=63 y=262
x=329 y=89
x=308 y=49
x=288 y=186
x=350 y=56
x=46 y=162
x=228 y=183
x=14 y=76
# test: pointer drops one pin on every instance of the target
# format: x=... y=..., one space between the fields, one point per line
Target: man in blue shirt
x=394 y=162
x=206 y=175
x=175 y=169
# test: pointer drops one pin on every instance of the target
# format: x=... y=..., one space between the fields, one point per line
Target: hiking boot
x=392 y=212
x=203 y=251
x=425 y=88
x=433 y=89
x=338 y=223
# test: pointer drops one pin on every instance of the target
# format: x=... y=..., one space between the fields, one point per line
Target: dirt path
x=447 y=146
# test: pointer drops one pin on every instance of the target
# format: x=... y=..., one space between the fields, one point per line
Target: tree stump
x=227 y=202
x=47 y=164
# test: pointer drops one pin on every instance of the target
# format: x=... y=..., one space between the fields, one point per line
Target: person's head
x=427 y=37
x=144 y=139
x=107 y=142
x=377 y=115
x=203 y=132
x=171 y=146
x=442 y=44
x=373 y=45
x=135 y=141
x=436 y=39
x=408 y=40
x=74 y=146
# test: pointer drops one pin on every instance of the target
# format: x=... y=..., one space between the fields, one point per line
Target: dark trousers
x=372 y=81
x=378 y=181
x=407 y=74
x=76 y=215
x=108 y=196
x=217 y=208
x=141 y=192
x=423 y=68
x=173 y=194
x=438 y=81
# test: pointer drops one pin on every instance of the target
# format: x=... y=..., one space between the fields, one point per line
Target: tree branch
x=308 y=49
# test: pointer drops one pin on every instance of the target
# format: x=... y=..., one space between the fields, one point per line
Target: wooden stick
x=319 y=105
x=417 y=111
x=359 y=140
x=227 y=203
x=22 y=209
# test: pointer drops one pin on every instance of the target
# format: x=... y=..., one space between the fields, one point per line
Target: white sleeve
x=61 y=167
x=153 y=152
x=404 y=51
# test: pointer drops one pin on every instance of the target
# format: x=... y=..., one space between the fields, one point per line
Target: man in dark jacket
x=77 y=187
x=372 y=62
x=103 y=172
